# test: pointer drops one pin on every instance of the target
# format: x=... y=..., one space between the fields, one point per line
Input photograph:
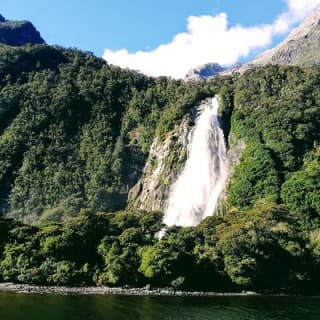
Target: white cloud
x=209 y=39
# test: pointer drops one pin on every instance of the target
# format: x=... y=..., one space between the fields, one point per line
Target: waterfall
x=196 y=192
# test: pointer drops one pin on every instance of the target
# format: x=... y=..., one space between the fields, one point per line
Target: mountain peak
x=204 y=72
x=18 y=33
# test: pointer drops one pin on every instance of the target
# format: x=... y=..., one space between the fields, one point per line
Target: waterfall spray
x=196 y=192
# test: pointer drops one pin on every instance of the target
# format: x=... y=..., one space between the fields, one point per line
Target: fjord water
x=196 y=192
x=55 y=307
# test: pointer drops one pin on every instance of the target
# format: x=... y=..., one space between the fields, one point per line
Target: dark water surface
x=53 y=307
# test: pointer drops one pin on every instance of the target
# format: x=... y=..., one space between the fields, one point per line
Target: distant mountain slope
x=18 y=33
x=301 y=47
x=204 y=72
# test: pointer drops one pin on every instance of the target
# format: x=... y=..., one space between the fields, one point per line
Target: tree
x=261 y=248
x=301 y=193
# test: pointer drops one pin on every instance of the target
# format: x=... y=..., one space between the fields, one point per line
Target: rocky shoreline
x=145 y=291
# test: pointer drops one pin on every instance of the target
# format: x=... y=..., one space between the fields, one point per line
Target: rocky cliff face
x=204 y=72
x=165 y=162
x=18 y=33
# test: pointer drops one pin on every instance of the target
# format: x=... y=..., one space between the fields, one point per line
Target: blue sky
x=132 y=24
x=145 y=25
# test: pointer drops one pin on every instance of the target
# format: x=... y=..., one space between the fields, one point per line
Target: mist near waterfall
x=196 y=192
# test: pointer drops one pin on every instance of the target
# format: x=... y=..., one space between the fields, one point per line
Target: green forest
x=75 y=135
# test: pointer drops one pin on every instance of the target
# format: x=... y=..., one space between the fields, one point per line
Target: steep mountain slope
x=18 y=33
x=301 y=47
x=75 y=132
x=273 y=111
x=81 y=140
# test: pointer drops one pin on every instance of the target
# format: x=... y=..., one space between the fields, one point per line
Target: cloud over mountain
x=210 y=39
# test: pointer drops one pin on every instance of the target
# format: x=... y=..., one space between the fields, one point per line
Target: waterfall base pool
x=56 y=307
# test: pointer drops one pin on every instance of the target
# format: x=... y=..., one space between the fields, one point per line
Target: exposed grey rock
x=301 y=47
x=235 y=150
x=165 y=162
x=204 y=72
x=147 y=291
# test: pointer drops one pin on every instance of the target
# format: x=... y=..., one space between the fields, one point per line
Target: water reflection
x=51 y=307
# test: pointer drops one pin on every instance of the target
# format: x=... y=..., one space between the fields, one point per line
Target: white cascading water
x=196 y=192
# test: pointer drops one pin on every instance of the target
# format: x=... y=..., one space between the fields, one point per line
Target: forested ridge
x=18 y=33
x=75 y=134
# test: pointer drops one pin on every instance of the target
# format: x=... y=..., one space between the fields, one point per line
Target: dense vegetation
x=276 y=113
x=75 y=132
x=74 y=137
x=261 y=249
